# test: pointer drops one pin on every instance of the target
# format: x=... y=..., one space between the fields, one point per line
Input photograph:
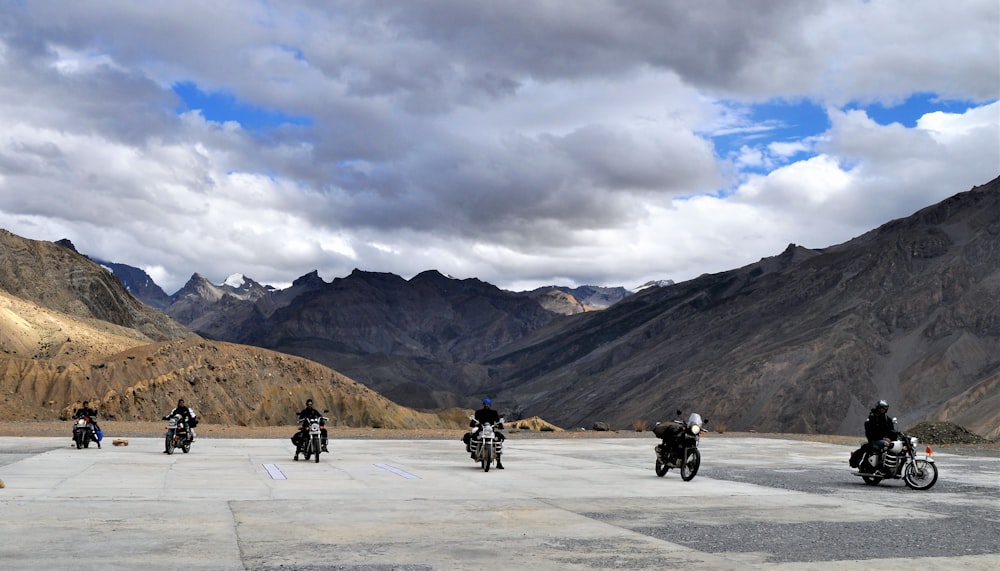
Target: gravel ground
x=961 y=528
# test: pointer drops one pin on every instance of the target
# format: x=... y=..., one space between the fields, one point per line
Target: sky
x=524 y=143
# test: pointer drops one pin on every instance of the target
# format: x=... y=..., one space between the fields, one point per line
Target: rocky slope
x=60 y=279
x=802 y=342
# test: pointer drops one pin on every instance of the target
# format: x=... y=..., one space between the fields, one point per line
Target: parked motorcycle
x=84 y=432
x=179 y=434
x=485 y=444
x=899 y=460
x=679 y=446
x=309 y=439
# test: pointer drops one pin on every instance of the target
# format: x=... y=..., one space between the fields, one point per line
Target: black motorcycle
x=899 y=460
x=84 y=432
x=179 y=434
x=678 y=447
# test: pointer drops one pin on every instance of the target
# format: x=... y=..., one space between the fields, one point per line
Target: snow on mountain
x=235 y=281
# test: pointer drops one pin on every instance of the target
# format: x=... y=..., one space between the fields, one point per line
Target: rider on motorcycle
x=305 y=414
x=880 y=430
x=85 y=411
x=185 y=413
x=484 y=415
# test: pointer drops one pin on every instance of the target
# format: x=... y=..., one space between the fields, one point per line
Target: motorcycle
x=485 y=444
x=179 y=434
x=84 y=432
x=308 y=440
x=899 y=460
x=679 y=446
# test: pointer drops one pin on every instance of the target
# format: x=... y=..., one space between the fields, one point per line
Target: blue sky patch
x=908 y=112
x=758 y=126
x=222 y=106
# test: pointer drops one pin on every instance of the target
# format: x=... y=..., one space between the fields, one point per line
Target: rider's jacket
x=309 y=412
x=879 y=426
x=184 y=411
x=485 y=415
x=85 y=411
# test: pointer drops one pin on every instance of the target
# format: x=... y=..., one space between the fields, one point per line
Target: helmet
x=881 y=404
x=487 y=401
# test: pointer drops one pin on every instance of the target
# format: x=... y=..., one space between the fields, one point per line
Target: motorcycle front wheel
x=661 y=468
x=316 y=447
x=169 y=445
x=691 y=464
x=79 y=442
x=920 y=474
x=487 y=458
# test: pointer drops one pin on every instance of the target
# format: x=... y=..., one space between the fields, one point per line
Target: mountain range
x=803 y=341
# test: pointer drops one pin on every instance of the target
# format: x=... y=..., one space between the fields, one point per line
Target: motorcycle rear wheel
x=691 y=464
x=920 y=474
x=872 y=480
x=661 y=468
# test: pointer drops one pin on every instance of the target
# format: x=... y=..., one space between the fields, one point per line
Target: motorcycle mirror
x=894 y=420
x=679 y=412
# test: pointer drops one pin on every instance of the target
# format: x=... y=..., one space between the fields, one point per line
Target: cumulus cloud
x=524 y=143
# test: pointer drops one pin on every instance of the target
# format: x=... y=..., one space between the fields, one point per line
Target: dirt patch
x=945 y=433
x=116 y=429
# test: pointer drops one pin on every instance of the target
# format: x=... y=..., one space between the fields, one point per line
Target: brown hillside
x=69 y=331
x=223 y=382
x=58 y=278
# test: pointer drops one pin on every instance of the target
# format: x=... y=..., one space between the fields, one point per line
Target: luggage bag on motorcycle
x=858 y=455
x=667 y=431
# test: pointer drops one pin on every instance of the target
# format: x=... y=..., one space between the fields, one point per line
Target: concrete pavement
x=561 y=504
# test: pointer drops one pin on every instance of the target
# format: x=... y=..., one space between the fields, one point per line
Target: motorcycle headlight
x=695 y=429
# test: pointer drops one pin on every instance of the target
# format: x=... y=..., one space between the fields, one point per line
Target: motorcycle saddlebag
x=667 y=430
x=100 y=435
x=858 y=455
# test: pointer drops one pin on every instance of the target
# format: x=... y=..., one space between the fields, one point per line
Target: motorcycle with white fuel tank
x=678 y=447
x=308 y=441
x=84 y=432
x=486 y=444
x=179 y=433
x=899 y=460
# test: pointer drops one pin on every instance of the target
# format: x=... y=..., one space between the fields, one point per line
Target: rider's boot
x=879 y=466
x=324 y=445
x=499 y=463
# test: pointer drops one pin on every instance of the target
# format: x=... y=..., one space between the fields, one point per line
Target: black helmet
x=882 y=404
